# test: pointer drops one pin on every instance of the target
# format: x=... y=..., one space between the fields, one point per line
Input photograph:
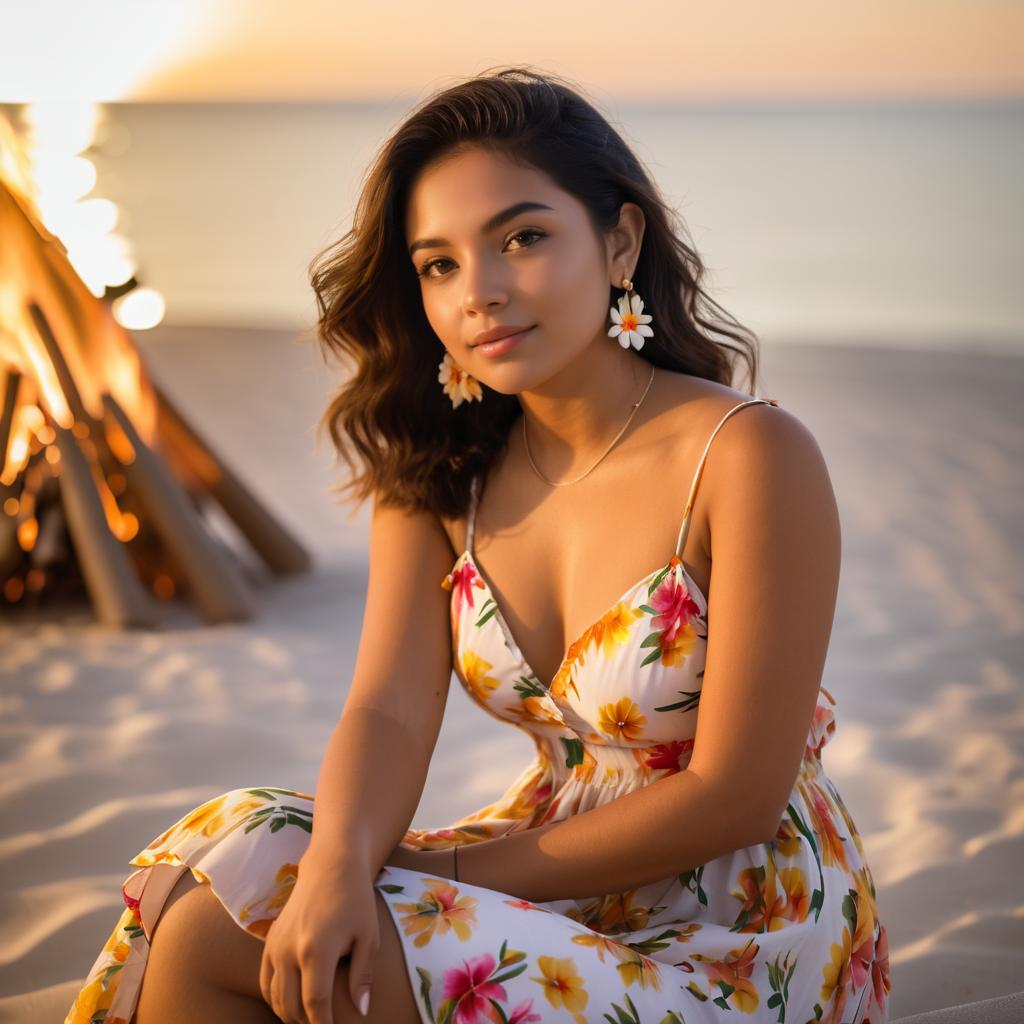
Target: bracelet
x=455 y=862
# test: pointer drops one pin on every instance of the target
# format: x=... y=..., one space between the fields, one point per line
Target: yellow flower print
x=440 y=909
x=562 y=985
x=798 y=898
x=621 y=720
x=641 y=969
x=787 y=838
x=616 y=913
x=206 y=819
x=679 y=648
x=474 y=671
x=601 y=944
x=836 y=975
x=286 y=876
x=611 y=630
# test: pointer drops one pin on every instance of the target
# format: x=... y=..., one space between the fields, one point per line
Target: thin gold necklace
x=565 y=483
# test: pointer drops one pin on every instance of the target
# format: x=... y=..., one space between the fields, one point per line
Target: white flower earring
x=458 y=385
x=630 y=320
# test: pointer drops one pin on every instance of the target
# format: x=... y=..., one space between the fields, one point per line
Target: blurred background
x=851 y=177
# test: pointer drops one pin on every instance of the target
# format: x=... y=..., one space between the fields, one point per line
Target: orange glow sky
x=258 y=50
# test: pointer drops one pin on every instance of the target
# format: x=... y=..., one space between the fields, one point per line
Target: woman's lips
x=502 y=345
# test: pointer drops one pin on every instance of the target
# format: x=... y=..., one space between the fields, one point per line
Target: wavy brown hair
x=391 y=420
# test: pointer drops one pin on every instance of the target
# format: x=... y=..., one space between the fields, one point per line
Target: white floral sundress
x=784 y=931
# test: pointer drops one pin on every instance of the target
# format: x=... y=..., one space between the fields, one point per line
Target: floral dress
x=783 y=931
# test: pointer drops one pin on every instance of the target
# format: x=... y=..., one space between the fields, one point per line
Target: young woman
x=539 y=402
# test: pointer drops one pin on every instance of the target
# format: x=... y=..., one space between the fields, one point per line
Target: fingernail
x=364 y=1002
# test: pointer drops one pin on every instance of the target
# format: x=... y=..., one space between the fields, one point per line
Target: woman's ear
x=624 y=241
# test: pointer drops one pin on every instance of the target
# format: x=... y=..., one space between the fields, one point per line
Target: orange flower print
x=611 y=630
x=464 y=580
x=474 y=671
x=837 y=976
x=562 y=985
x=621 y=720
x=440 y=909
x=833 y=852
x=733 y=975
x=761 y=905
x=285 y=877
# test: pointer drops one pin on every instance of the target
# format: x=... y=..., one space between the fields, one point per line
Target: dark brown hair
x=391 y=419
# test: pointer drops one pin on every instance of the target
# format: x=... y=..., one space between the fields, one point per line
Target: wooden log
x=64 y=376
x=118 y=598
x=216 y=583
x=12 y=378
x=276 y=545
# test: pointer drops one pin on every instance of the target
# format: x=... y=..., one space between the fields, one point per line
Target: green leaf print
x=621 y=1015
x=655 y=942
x=672 y=1018
x=656 y=582
x=487 y=609
x=529 y=686
x=390 y=887
x=691 y=701
x=426 y=980
x=280 y=815
x=501 y=1013
x=270 y=793
x=779 y=978
x=695 y=876
x=818 y=896
x=573 y=751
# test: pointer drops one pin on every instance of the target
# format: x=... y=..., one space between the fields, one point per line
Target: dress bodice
x=622 y=707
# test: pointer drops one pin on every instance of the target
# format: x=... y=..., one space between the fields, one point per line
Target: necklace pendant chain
x=566 y=483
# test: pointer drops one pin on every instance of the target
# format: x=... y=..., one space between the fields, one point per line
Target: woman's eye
x=425 y=270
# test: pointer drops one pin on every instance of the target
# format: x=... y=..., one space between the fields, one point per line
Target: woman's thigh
x=236 y=966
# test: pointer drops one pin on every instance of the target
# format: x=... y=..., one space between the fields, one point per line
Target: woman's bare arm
x=775 y=572
x=377 y=757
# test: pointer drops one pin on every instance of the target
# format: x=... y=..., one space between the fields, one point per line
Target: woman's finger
x=318 y=989
x=288 y=995
x=360 y=970
x=266 y=976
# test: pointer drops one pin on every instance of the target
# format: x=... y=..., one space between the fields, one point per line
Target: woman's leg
x=203 y=967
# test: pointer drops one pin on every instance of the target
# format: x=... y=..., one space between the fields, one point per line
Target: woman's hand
x=331 y=913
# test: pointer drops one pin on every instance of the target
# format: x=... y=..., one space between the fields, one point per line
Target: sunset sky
x=667 y=50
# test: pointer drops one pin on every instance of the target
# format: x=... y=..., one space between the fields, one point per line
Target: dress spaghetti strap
x=684 y=527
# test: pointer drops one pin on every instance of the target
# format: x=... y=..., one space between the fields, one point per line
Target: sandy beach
x=109 y=737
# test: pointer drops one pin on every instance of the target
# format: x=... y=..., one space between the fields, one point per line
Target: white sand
x=108 y=737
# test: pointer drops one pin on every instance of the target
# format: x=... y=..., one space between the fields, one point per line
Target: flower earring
x=630 y=320
x=458 y=385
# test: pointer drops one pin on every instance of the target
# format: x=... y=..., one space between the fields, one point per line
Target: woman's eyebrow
x=494 y=222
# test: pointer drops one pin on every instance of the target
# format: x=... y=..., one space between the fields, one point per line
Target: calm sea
x=900 y=224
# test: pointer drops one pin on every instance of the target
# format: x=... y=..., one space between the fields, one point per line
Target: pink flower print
x=675 y=608
x=668 y=755
x=880 y=982
x=464 y=579
x=521 y=1014
x=472 y=990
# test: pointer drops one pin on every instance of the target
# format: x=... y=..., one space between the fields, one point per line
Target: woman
x=652 y=863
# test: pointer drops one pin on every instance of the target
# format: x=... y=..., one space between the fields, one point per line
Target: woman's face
x=487 y=265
